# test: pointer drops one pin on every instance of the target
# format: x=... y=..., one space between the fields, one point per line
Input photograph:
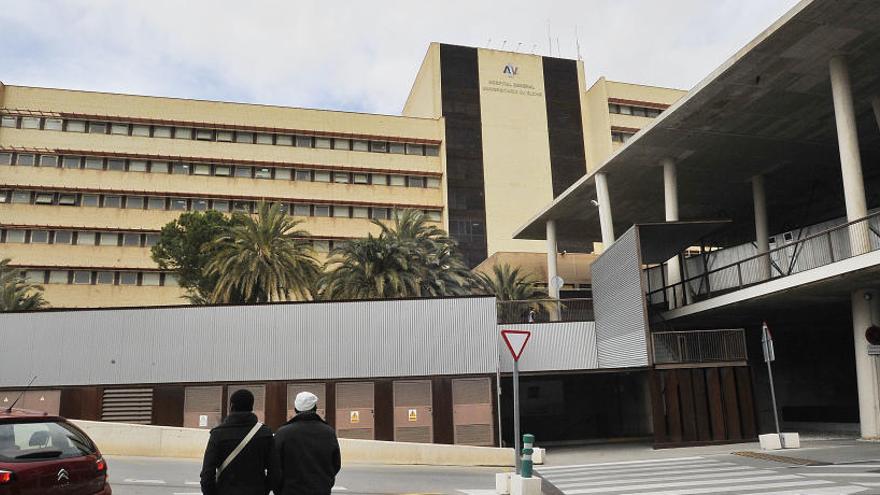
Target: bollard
x=528 y=442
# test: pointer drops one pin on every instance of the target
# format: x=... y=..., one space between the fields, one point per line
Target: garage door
x=319 y=389
x=472 y=411
x=413 y=412
x=202 y=406
x=354 y=410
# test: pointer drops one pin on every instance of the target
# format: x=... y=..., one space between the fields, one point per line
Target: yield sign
x=516 y=341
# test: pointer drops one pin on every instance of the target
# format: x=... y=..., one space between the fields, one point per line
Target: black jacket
x=253 y=472
x=309 y=455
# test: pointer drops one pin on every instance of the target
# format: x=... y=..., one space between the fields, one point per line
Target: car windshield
x=41 y=440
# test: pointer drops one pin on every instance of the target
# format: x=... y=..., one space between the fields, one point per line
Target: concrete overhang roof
x=767 y=110
x=660 y=241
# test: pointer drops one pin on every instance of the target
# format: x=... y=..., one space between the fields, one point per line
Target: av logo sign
x=510 y=70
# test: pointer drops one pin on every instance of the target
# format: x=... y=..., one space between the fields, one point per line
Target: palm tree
x=263 y=258
x=17 y=293
x=371 y=268
x=517 y=293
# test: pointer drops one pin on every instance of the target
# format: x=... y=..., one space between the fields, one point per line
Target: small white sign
x=203 y=421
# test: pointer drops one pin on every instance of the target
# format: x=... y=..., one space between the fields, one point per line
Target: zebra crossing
x=703 y=475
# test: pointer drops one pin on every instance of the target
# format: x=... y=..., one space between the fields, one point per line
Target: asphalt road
x=151 y=476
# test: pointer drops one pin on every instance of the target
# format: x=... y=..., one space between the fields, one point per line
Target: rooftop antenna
x=488 y=42
x=502 y=44
x=9 y=409
x=577 y=40
x=518 y=45
x=534 y=47
x=558 y=51
x=549 y=38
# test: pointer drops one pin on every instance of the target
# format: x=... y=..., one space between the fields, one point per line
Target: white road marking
x=478 y=492
x=677 y=484
x=679 y=477
x=710 y=467
x=758 y=486
x=339 y=489
x=648 y=461
x=835 y=490
x=151 y=482
x=843 y=475
x=192 y=482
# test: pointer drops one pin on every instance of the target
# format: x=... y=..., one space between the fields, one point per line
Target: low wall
x=165 y=441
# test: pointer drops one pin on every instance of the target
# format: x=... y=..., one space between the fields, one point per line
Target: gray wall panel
x=554 y=347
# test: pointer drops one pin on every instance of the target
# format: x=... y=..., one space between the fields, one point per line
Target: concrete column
x=850 y=159
x=866 y=312
x=762 y=234
x=606 y=221
x=670 y=201
x=551 y=259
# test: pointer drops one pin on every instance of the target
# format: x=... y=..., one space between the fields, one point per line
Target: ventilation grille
x=407 y=394
x=354 y=395
x=471 y=391
x=418 y=434
x=473 y=434
x=203 y=399
x=356 y=433
x=128 y=405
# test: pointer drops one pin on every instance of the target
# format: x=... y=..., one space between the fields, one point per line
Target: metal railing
x=545 y=310
x=823 y=248
x=699 y=346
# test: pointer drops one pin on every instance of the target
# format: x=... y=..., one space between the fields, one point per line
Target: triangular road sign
x=516 y=341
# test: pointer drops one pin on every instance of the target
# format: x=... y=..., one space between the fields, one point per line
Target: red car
x=46 y=455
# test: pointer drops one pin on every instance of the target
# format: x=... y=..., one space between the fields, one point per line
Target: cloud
x=356 y=56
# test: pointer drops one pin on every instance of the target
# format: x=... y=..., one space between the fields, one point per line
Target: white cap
x=305 y=401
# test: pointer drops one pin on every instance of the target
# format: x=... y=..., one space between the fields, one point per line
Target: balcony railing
x=545 y=310
x=700 y=346
x=823 y=248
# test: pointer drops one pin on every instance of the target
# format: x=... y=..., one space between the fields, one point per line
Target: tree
x=17 y=293
x=517 y=293
x=185 y=248
x=262 y=258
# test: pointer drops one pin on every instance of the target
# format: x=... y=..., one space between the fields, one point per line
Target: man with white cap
x=308 y=449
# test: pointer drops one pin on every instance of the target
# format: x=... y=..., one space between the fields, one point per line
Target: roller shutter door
x=413 y=412
x=354 y=410
x=472 y=411
x=202 y=407
x=319 y=389
x=128 y=405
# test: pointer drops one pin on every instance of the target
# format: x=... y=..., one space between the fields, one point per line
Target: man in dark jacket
x=254 y=471
x=308 y=451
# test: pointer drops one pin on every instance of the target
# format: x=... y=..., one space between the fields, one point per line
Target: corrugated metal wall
x=250 y=343
x=554 y=347
x=618 y=303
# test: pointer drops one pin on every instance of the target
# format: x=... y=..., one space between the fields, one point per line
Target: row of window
x=88 y=277
x=217 y=170
x=621 y=137
x=19 y=196
x=220 y=135
x=126 y=239
x=633 y=110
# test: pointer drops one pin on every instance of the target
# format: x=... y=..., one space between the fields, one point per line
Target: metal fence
x=823 y=248
x=699 y=346
x=545 y=310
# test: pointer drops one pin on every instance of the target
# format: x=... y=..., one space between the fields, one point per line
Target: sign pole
x=769 y=357
x=517 y=447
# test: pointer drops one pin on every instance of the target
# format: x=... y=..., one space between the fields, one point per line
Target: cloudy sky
x=356 y=55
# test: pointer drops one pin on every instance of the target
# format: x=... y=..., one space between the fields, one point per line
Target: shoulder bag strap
x=232 y=455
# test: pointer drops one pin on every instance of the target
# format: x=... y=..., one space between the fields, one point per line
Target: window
x=638 y=112
x=134 y=202
x=128 y=278
x=625 y=110
x=53 y=124
x=5 y=158
x=304 y=141
x=432 y=182
x=244 y=137
x=379 y=146
x=283 y=173
x=322 y=176
x=161 y=131
x=284 y=140
x=244 y=171
x=221 y=205
x=183 y=133
x=322 y=211
x=150 y=278
x=224 y=136
x=323 y=143
x=40 y=236
x=21 y=197
x=86 y=238
x=433 y=215
x=380 y=179
x=44 y=198
x=171 y=280
x=112 y=202
x=342 y=144
x=613 y=108
x=48 y=161
x=63 y=237
x=137 y=166
x=341 y=177
x=151 y=240
x=15 y=235
x=200 y=205
x=30 y=122
x=432 y=150
x=361 y=178
x=140 y=130
x=67 y=199
x=108 y=239
x=89 y=200
x=397 y=148
x=131 y=239
x=204 y=134
x=178 y=204
x=415 y=149
x=25 y=160
x=360 y=145
x=222 y=170
x=95 y=163
x=302 y=210
x=264 y=138
x=4 y=196
x=8 y=121
x=652 y=112
x=341 y=211
x=116 y=165
x=105 y=278
x=159 y=167
x=120 y=129
x=76 y=126
x=396 y=180
x=97 y=128
x=58 y=276
x=201 y=169
x=154 y=203
x=263 y=173
x=415 y=181
x=71 y=162
x=380 y=213
x=35 y=276
x=321 y=246
x=180 y=168
x=360 y=212
x=303 y=175
x=82 y=277
x=241 y=206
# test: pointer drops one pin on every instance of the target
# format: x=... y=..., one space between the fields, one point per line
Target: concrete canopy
x=767 y=110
